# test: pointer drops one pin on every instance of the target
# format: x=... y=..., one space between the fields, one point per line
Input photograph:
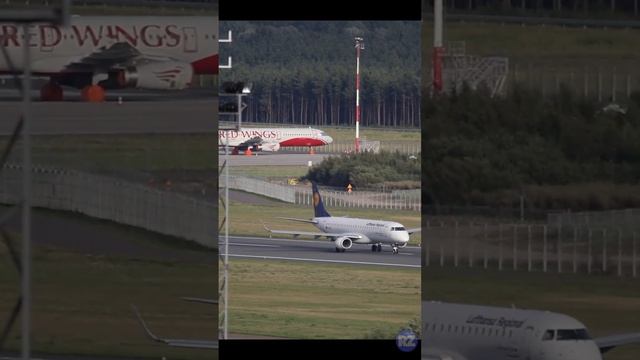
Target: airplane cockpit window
x=548 y=335
x=573 y=334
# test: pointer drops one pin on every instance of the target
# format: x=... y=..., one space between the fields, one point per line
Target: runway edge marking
x=325 y=261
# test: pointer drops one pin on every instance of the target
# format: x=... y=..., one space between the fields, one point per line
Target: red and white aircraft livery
x=106 y=52
x=271 y=139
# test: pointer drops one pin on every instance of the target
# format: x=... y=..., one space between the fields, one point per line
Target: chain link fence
x=115 y=200
x=302 y=195
x=533 y=247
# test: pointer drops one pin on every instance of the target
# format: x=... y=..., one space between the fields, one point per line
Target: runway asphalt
x=273 y=159
x=139 y=113
x=316 y=251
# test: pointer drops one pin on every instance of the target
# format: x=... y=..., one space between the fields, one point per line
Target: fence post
x=426 y=254
x=499 y=246
x=515 y=246
x=484 y=246
x=619 y=252
x=559 y=250
x=633 y=257
x=471 y=249
x=544 y=248
x=575 y=249
x=529 y=256
x=604 y=250
x=586 y=82
x=455 y=244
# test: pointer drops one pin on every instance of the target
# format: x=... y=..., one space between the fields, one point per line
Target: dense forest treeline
x=368 y=170
x=564 y=8
x=304 y=72
x=559 y=152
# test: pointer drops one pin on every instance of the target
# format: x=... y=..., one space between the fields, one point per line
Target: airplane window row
x=566 y=334
x=399 y=228
x=470 y=330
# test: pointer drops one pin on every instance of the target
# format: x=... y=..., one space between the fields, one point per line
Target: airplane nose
x=328 y=139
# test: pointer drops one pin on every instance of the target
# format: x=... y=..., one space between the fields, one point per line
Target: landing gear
x=376 y=247
x=395 y=249
x=93 y=93
x=339 y=250
x=51 y=91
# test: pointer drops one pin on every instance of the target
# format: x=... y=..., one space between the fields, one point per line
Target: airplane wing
x=200 y=300
x=609 y=342
x=253 y=141
x=300 y=220
x=414 y=230
x=105 y=58
x=199 y=344
x=352 y=236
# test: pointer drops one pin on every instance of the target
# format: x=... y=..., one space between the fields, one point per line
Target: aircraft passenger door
x=190 y=37
x=527 y=342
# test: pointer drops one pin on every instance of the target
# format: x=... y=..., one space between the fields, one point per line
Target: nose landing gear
x=395 y=249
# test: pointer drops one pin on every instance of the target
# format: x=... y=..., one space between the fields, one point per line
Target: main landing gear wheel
x=340 y=250
x=379 y=247
x=93 y=93
x=374 y=247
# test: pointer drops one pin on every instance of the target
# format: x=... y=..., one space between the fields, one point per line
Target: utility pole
x=359 y=46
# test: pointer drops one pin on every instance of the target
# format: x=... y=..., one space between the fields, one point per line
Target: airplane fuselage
x=283 y=137
x=466 y=332
x=373 y=231
x=189 y=39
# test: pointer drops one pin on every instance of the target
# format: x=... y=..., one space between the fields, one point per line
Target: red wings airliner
x=107 y=52
x=272 y=139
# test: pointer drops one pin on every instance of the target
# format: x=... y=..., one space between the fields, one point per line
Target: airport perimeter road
x=319 y=252
x=166 y=116
x=273 y=159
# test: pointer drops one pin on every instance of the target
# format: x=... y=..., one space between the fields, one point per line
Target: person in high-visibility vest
x=349 y=187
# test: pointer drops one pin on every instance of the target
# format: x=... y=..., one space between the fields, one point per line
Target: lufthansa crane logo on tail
x=316 y=199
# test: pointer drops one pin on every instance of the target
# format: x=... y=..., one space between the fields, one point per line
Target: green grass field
x=271 y=172
x=342 y=134
x=247 y=219
x=606 y=305
x=310 y=301
x=81 y=304
x=124 y=152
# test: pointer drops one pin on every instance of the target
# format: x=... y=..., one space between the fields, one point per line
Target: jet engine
x=166 y=75
x=343 y=243
x=274 y=146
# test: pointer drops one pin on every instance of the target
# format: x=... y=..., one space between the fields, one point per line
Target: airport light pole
x=359 y=46
x=438 y=49
x=27 y=17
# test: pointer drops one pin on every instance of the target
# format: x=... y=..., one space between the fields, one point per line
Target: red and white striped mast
x=359 y=46
x=438 y=50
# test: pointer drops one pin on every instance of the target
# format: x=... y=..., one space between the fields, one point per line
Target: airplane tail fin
x=318 y=206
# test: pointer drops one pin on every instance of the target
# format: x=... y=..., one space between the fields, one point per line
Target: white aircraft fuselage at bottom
x=472 y=332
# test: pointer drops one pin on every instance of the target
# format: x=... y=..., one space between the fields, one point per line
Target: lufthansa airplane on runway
x=112 y=52
x=345 y=231
x=473 y=332
x=271 y=139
